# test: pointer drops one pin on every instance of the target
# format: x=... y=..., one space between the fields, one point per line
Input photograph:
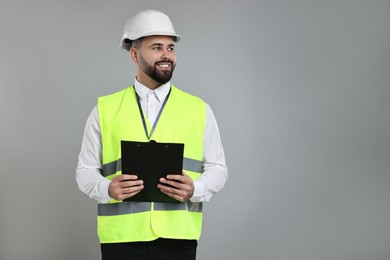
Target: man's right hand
x=124 y=186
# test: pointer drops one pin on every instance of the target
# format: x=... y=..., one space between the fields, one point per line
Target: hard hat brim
x=127 y=39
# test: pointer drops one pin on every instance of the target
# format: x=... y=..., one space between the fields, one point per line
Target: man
x=151 y=109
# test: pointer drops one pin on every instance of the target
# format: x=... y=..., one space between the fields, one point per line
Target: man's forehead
x=159 y=39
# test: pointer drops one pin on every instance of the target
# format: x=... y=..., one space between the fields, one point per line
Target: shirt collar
x=161 y=92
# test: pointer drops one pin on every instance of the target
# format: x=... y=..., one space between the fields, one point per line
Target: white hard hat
x=147 y=23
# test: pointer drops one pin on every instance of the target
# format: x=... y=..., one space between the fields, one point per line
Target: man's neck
x=148 y=82
x=139 y=83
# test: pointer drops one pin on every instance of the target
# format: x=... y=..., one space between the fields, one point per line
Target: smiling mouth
x=164 y=65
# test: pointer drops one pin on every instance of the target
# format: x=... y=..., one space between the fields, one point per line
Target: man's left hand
x=181 y=187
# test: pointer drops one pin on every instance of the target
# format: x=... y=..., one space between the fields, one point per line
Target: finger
x=123 y=177
x=133 y=189
x=173 y=195
x=128 y=177
x=175 y=184
x=180 y=178
x=126 y=184
x=168 y=189
x=175 y=177
x=123 y=193
x=128 y=195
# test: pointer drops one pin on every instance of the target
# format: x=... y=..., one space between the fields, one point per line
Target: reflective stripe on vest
x=188 y=164
x=131 y=207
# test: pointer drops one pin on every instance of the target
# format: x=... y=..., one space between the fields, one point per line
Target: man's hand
x=124 y=186
x=181 y=187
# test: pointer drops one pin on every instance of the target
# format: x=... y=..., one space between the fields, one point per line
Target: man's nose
x=164 y=55
x=167 y=55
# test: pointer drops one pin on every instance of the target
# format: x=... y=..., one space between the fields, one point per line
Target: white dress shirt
x=89 y=167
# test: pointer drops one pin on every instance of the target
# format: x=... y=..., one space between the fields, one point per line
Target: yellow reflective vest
x=182 y=121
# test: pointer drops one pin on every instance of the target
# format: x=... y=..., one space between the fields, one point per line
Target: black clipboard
x=150 y=161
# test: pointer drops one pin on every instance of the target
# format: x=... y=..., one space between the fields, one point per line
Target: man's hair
x=127 y=44
x=137 y=43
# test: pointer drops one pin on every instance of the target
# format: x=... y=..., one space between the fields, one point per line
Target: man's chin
x=163 y=78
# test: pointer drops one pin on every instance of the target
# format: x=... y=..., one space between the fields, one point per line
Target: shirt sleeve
x=89 y=167
x=215 y=171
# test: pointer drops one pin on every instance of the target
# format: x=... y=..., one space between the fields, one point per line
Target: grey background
x=301 y=93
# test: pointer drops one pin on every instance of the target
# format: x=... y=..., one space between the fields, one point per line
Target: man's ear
x=134 y=54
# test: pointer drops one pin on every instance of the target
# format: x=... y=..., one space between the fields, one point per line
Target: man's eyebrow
x=161 y=44
x=156 y=44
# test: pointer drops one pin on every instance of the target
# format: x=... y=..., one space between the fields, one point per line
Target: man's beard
x=161 y=77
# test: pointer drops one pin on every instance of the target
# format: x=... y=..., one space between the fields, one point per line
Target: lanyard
x=157 y=118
